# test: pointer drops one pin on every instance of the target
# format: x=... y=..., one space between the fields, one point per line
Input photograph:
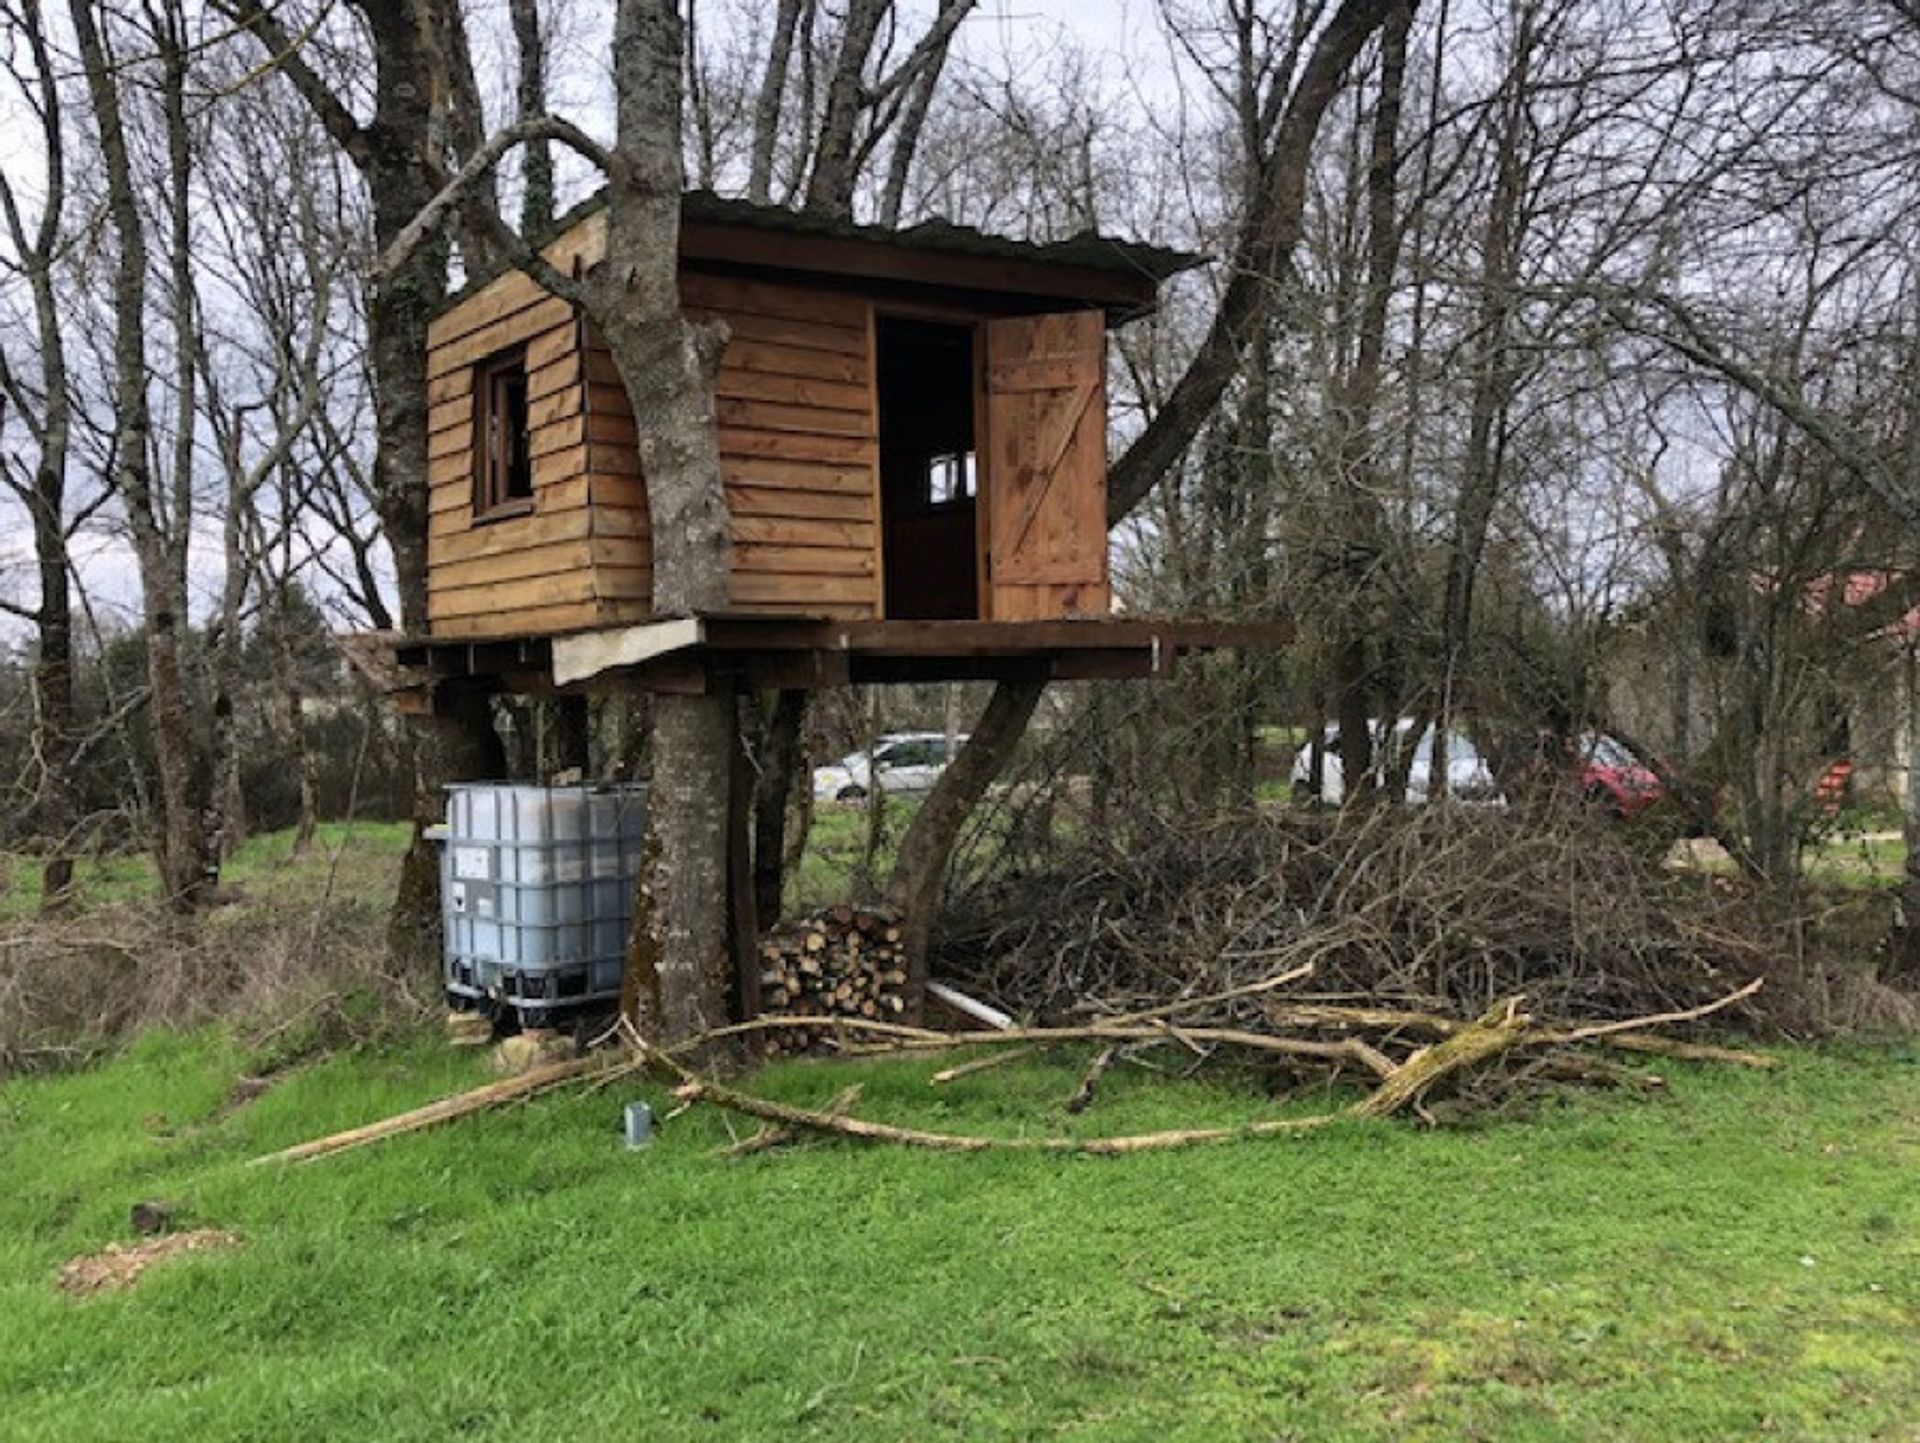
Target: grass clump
x=297 y=952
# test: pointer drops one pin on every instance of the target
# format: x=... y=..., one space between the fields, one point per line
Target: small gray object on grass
x=639 y=1125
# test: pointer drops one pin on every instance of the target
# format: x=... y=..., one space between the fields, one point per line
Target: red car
x=1613 y=777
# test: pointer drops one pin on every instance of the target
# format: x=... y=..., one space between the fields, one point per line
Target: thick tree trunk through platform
x=679 y=960
x=678 y=954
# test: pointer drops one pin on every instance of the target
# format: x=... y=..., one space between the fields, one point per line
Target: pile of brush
x=1443 y=910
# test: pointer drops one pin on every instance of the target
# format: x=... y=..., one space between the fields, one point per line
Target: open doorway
x=929 y=481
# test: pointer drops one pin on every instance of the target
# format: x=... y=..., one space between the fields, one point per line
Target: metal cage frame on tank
x=538 y=887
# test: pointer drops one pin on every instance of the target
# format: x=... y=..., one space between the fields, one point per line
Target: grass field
x=1739 y=1258
x=259 y=867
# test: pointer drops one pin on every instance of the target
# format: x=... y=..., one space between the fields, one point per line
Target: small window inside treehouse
x=503 y=461
x=949 y=478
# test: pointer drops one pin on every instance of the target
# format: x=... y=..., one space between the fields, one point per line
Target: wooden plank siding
x=797 y=415
x=566 y=564
x=799 y=450
x=798 y=444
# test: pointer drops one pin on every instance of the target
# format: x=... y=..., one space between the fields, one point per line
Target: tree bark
x=56 y=809
x=157 y=545
x=1262 y=257
x=779 y=773
x=920 y=868
x=1358 y=475
x=571 y=720
x=1494 y=379
x=830 y=187
x=767 y=105
x=398 y=154
x=536 y=159
x=679 y=953
x=1263 y=253
x=1900 y=962
x=906 y=141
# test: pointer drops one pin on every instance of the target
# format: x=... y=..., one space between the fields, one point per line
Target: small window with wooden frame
x=502 y=450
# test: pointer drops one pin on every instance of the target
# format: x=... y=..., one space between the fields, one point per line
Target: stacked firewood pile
x=837 y=962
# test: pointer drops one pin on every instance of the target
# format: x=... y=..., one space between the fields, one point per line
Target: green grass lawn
x=1739 y=1258
x=829 y=868
x=259 y=866
x=1864 y=860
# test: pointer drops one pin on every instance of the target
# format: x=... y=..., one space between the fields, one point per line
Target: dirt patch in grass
x=119 y=1266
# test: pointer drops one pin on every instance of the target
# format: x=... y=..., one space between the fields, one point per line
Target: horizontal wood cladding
x=529 y=573
x=799 y=456
x=799 y=450
x=500 y=599
x=799 y=443
x=529 y=620
x=783 y=503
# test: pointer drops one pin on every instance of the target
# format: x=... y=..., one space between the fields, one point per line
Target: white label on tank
x=475 y=864
x=458 y=894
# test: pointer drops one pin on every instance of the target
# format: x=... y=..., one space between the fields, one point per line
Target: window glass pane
x=950 y=478
x=510 y=400
x=503 y=462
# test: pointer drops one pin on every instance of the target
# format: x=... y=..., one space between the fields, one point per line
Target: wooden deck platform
x=690 y=654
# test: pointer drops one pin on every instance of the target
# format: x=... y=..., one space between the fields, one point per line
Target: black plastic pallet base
x=532 y=1014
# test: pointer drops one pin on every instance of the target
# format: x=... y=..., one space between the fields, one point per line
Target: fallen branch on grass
x=982 y=1064
x=1470 y=1045
x=494 y=1094
x=1403 y=1085
x=1082 y=1097
x=774 y=1135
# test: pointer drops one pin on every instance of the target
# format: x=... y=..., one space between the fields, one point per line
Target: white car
x=1469 y=778
x=907 y=762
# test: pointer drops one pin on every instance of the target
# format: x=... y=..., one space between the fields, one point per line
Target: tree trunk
x=465 y=746
x=679 y=954
x=177 y=834
x=56 y=806
x=1262 y=258
x=906 y=142
x=571 y=732
x=1494 y=380
x=1359 y=475
x=290 y=722
x=1900 y=962
x=536 y=164
x=779 y=771
x=767 y=106
x=920 y=868
x=53 y=690
x=830 y=188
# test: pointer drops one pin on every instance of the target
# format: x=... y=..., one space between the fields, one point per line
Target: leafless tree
x=42 y=406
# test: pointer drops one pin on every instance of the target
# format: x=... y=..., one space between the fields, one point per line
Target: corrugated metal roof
x=1087 y=250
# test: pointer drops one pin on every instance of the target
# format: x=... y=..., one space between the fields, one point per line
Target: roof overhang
x=1118 y=276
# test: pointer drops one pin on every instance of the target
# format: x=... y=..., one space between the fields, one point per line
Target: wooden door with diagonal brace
x=1045 y=535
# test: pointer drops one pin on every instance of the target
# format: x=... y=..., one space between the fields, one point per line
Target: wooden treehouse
x=913 y=434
